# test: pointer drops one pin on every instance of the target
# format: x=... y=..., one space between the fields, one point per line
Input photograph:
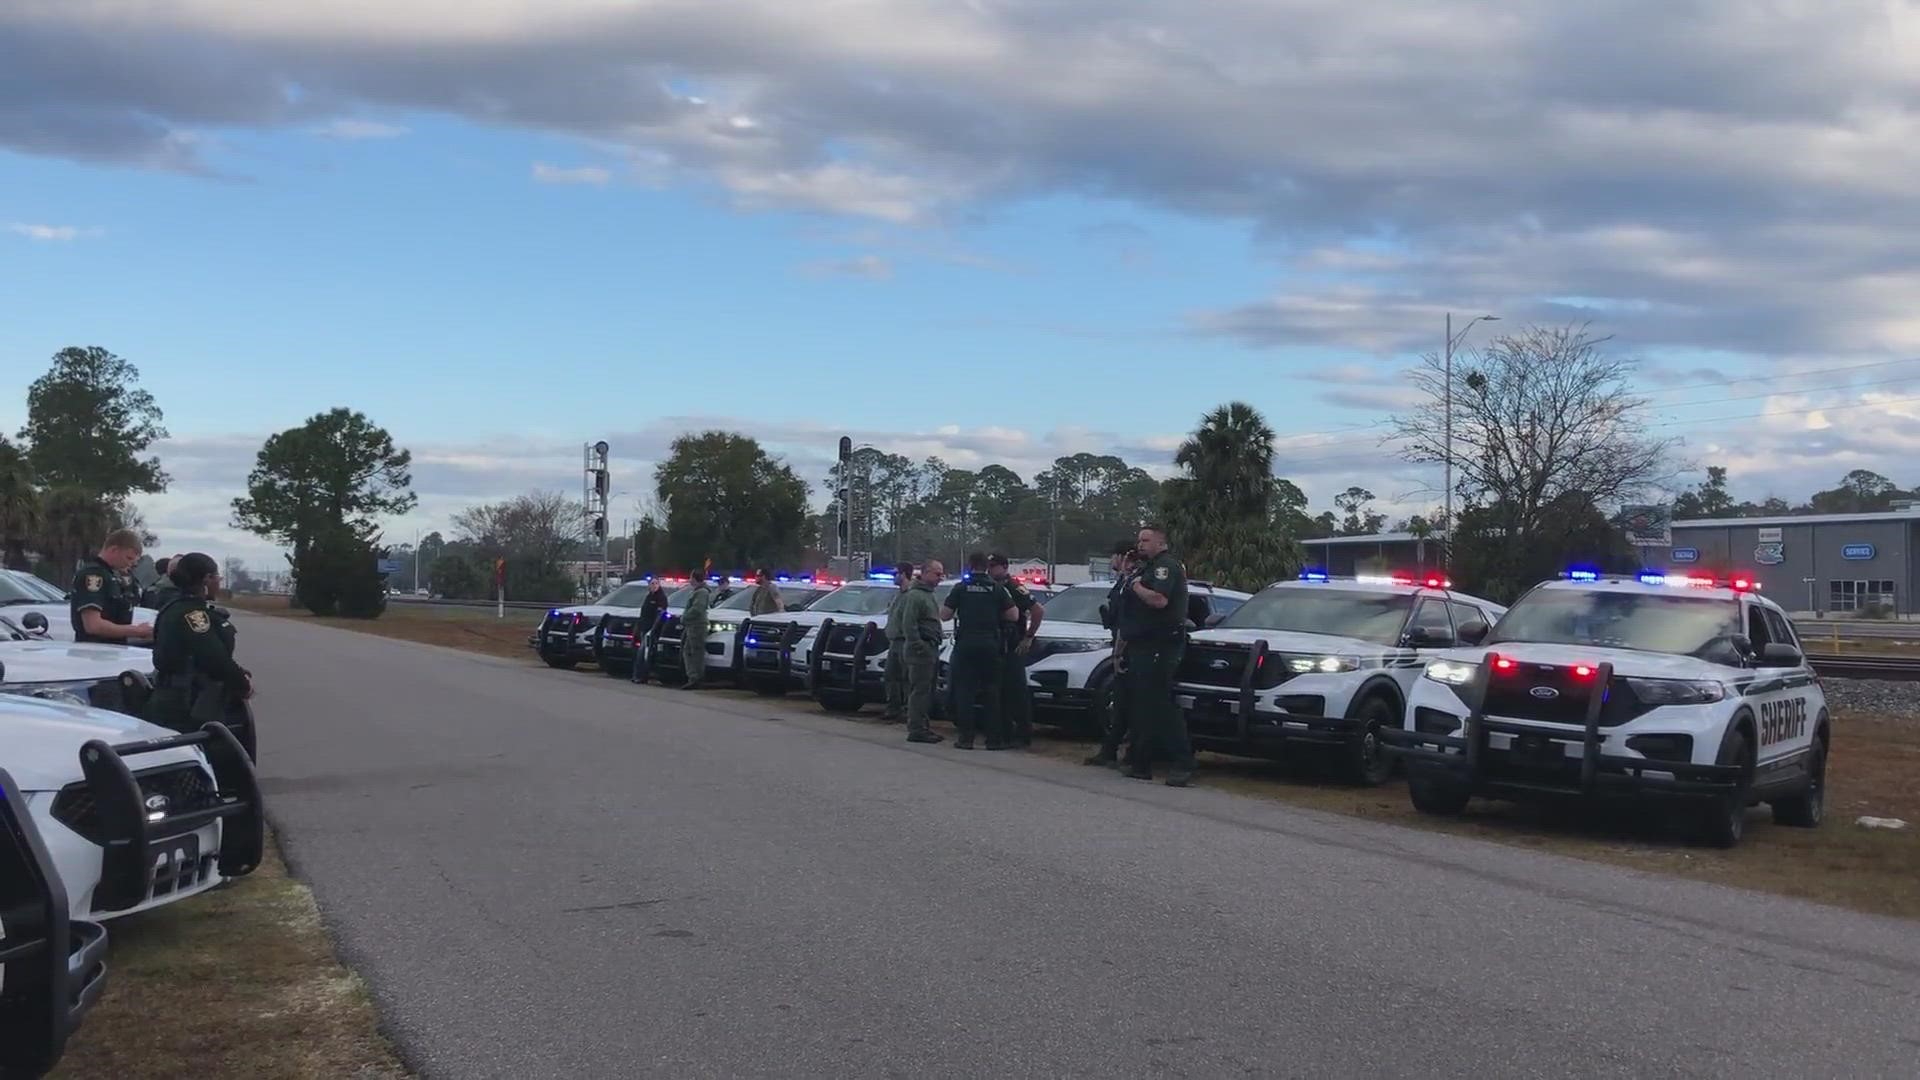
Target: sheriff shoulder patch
x=198 y=622
x=1160 y=573
x=94 y=582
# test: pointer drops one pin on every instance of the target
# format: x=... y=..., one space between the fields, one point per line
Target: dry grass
x=1874 y=770
x=474 y=629
x=238 y=982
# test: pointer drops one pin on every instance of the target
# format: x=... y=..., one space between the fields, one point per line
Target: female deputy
x=195 y=676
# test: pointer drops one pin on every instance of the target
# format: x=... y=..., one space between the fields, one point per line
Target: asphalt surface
x=553 y=874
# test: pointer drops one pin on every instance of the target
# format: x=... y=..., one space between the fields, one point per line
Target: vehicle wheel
x=1724 y=821
x=617 y=671
x=1100 y=714
x=1368 y=762
x=840 y=703
x=767 y=687
x=1441 y=798
x=1809 y=808
x=559 y=662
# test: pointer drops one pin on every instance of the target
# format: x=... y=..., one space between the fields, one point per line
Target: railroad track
x=1860 y=666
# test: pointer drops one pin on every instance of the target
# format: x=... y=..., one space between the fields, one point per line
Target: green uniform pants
x=898 y=679
x=693 y=651
x=1016 y=697
x=1159 y=727
x=918 y=660
x=976 y=671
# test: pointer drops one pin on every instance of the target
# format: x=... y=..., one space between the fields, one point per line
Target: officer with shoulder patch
x=195 y=675
x=693 y=634
x=1016 y=697
x=897 y=629
x=1124 y=562
x=101 y=600
x=919 y=614
x=1153 y=621
x=979 y=606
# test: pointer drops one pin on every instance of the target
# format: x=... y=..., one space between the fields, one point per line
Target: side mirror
x=34 y=623
x=1780 y=654
x=1425 y=637
x=1473 y=633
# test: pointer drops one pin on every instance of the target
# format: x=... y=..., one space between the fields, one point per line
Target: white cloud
x=579 y=174
x=51 y=233
x=871 y=267
x=346 y=128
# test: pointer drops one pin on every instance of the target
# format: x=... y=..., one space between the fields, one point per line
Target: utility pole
x=416 y=560
x=596 y=482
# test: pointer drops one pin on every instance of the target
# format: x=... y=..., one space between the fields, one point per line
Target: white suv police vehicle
x=42 y=609
x=726 y=626
x=133 y=815
x=97 y=674
x=1321 y=662
x=779 y=654
x=1070 y=664
x=567 y=636
x=1652 y=686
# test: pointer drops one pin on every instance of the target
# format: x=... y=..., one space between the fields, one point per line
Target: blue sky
x=501 y=232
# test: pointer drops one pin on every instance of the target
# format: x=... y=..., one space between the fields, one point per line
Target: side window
x=1779 y=628
x=1223 y=606
x=1466 y=613
x=1431 y=616
x=1757 y=628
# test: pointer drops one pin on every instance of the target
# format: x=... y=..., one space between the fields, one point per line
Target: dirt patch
x=474 y=629
x=240 y=982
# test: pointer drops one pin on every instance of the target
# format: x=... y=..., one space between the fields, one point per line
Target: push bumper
x=142 y=851
x=846 y=674
x=55 y=968
x=1234 y=719
x=1496 y=756
x=565 y=640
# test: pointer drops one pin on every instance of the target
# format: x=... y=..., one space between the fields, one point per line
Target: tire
x=1809 y=808
x=1437 y=797
x=1723 y=822
x=616 y=671
x=1368 y=763
x=841 y=703
x=559 y=663
x=767 y=687
x=1098 y=715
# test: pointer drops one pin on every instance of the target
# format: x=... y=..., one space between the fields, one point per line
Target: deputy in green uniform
x=766 y=596
x=979 y=606
x=693 y=636
x=101 y=601
x=1124 y=562
x=195 y=676
x=1016 y=697
x=919 y=613
x=1153 y=621
x=897 y=646
x=162 y=591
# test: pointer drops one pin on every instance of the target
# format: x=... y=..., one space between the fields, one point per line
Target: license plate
x=176 y=863
x=763 y=654
x=1537 y=749
x=556 y=636
x=1221 y=707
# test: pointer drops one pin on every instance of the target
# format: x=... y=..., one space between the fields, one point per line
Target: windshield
x=796 y=597
x=679 y=597
x=1649 y=621
x=18 y=588
x=1076 y=605
x=856 y=600
x=632 y=594
x=1369 y=616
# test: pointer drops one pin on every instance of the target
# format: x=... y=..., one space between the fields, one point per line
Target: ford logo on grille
x=158 y=804
x=1544 y=693
x=1218 y=665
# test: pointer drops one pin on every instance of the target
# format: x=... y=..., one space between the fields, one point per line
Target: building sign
x=1770 y=536
x=1770 y=554
x=1686 y=554
x=1647 y=526
x=1857 y=552
x=389 y=566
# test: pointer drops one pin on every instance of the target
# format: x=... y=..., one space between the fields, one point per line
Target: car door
x=1781 y=698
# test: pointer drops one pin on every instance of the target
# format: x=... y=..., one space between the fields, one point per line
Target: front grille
x=187 y=787
x=1515 y=694
x=847 y=638
x=672 y=629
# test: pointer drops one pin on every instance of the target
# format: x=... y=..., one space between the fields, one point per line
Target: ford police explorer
x=133 y=815
x=1070 y=664
x=566 y=636
x=1322 y=662
x=777 y=650
x=117 y=677
x=726 y=626
x=1652 y=686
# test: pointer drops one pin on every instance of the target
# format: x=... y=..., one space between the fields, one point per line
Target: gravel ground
x=1896 y=700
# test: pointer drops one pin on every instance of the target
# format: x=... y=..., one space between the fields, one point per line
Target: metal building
x=1846 y=564
x=1344 y=556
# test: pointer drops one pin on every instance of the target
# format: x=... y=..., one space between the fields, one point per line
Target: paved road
x=546 y=875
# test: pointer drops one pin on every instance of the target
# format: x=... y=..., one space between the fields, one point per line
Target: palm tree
x=1230 y=457
x=20 y=519
x=1221 y=513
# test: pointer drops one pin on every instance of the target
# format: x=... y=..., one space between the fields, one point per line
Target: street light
x=1446 y=454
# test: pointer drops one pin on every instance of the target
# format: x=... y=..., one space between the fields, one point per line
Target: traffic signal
x=600 y=523
x=846 y=448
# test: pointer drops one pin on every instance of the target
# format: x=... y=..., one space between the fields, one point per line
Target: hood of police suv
x=40 y=741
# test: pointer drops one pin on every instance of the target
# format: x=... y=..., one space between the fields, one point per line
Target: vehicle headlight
x=1301 y=665
x=722 y=627
x=1677 y=691
x=1076 y=646
x=1451 y=672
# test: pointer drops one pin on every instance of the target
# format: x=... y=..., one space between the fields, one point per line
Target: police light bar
x=1738 y=583
x=1431 y=581
x=1313 y=575
x=1582 y=574
x=875 y=575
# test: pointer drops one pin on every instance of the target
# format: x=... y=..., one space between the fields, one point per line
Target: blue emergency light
x=1314 y=575
x=1583 y=574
